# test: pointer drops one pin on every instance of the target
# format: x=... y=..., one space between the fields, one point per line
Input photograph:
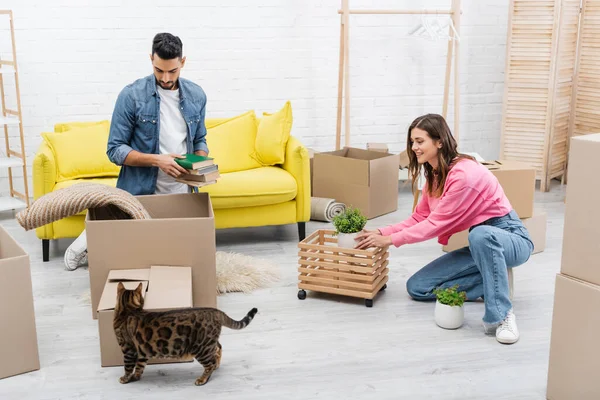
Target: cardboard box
x=180 y=233
x=582 y=215
x=518 y=182
x=359 y=178
x=311 y=155
x=18 y=336
x=163 y=288
x=574 y=359
x=536 y=226
x=404 y=160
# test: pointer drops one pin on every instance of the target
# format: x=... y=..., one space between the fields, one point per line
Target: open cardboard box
x=18 y=336
x=359 y=178
x=180 y=233
x=163 y=288
x=536 y=226
x=518 y=182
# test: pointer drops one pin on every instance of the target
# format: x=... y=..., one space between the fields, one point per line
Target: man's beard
x=167 y=85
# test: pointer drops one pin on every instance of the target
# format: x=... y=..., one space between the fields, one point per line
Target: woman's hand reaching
x=373 y=238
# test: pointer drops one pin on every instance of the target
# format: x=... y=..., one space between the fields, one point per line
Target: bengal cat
x=170 y=334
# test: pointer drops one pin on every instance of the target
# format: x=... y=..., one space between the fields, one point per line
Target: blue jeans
x=481 y=268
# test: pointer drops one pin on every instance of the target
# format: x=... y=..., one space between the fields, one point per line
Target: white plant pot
x=346 y=240
x=449 y=317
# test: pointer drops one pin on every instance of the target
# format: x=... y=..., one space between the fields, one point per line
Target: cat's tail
x=233 y=324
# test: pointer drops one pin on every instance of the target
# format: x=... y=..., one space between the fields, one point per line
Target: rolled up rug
x=324 y=209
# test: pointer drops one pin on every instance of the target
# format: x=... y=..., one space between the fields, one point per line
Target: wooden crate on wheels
x=325 y=267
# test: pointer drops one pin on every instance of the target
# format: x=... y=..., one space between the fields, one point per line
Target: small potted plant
x=449 y=311
x=347 y=224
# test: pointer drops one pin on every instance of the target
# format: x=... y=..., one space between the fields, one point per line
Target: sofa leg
x=301 y=230
x=46 y=249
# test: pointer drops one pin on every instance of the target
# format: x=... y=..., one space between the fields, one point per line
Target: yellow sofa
x=255 y=196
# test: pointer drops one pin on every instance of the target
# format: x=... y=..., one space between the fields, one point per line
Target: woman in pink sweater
x=459 y=194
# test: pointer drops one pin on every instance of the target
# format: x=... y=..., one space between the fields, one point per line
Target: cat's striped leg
x=139 y=368
x=208 y=358
x=219 y=355
x=129 y=359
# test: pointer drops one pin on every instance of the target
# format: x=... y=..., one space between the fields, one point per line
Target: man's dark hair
x=167 y=46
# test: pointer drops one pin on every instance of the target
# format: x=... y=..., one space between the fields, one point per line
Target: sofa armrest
x=44 y=171
x=297 y=163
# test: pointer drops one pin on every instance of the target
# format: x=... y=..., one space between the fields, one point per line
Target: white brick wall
x=75 y=56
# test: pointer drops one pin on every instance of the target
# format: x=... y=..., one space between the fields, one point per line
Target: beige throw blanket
x=69 y=201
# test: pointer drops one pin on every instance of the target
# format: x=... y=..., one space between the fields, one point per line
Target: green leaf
x=450 y=296
x=350 y=221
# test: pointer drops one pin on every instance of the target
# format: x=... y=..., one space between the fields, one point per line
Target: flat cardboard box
x=582 y=216
x=536 y=226
x=367 y=180
x=574 y=359
x=404 y=160
x=163 y=288
x=518 y=182
x=311 y=155
x=180 y=233
x=18 y=336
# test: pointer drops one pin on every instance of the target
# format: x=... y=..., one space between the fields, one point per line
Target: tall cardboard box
x=359 y=178
x=574 y=359
x=536 y=225
x=163 y=288
x=180 y=233
x=518 y=182
x=18 y=335
x=582 y=217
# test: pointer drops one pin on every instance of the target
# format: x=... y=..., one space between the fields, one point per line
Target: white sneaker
x=507 y=332
x=76 y=253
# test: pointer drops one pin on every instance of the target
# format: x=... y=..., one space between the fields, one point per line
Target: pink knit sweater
x=471 y=195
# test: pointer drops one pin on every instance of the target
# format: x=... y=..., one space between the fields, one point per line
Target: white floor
x=323 y=347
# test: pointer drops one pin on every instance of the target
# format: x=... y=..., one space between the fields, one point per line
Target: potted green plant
x=449 y=311
x=347 y=225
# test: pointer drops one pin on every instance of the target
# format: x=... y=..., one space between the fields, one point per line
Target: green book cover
x=193 y=161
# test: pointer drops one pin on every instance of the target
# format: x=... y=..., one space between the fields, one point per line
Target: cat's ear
x=138 y=289
x=120 y=287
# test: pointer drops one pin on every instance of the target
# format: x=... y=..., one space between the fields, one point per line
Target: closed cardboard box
x=518 y=182
x=536 y=226
x=180 y=233
x=582 y=216
x=359 y=178
x=574 y=359
x=18 y=335
x=163 y=288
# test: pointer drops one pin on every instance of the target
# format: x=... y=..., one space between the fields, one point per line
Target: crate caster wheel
x=369 y=302
x=383 y=288
x=301 y=294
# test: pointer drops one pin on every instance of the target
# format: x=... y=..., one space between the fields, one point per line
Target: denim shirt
x=135 y=125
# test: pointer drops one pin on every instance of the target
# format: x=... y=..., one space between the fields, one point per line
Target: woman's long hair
x=436 y=127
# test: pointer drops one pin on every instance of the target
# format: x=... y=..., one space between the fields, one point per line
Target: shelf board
x=9 y=120
x=6 y=162
x=11 y=203
x=7 y=70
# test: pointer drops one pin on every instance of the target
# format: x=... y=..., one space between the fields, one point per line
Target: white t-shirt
x=172 y=138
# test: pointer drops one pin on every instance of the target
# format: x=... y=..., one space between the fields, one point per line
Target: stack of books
x=201 y=171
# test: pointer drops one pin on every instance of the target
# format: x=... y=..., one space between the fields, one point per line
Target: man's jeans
x=481 y=268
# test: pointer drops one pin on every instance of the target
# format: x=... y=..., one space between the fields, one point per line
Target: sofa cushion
x=81 y=153
x=104 y=181
x=254 y=187
x=231 y=143
x=65 y=126
x=272 y=135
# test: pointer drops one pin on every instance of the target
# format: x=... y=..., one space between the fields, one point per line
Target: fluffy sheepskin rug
x=240 y=273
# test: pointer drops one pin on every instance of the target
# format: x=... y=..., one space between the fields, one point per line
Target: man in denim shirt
x=156 y=119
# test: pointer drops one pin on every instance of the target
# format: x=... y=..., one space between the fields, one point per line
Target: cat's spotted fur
x=169 y=334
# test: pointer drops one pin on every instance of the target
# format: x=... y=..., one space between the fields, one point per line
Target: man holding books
x=156 y=119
